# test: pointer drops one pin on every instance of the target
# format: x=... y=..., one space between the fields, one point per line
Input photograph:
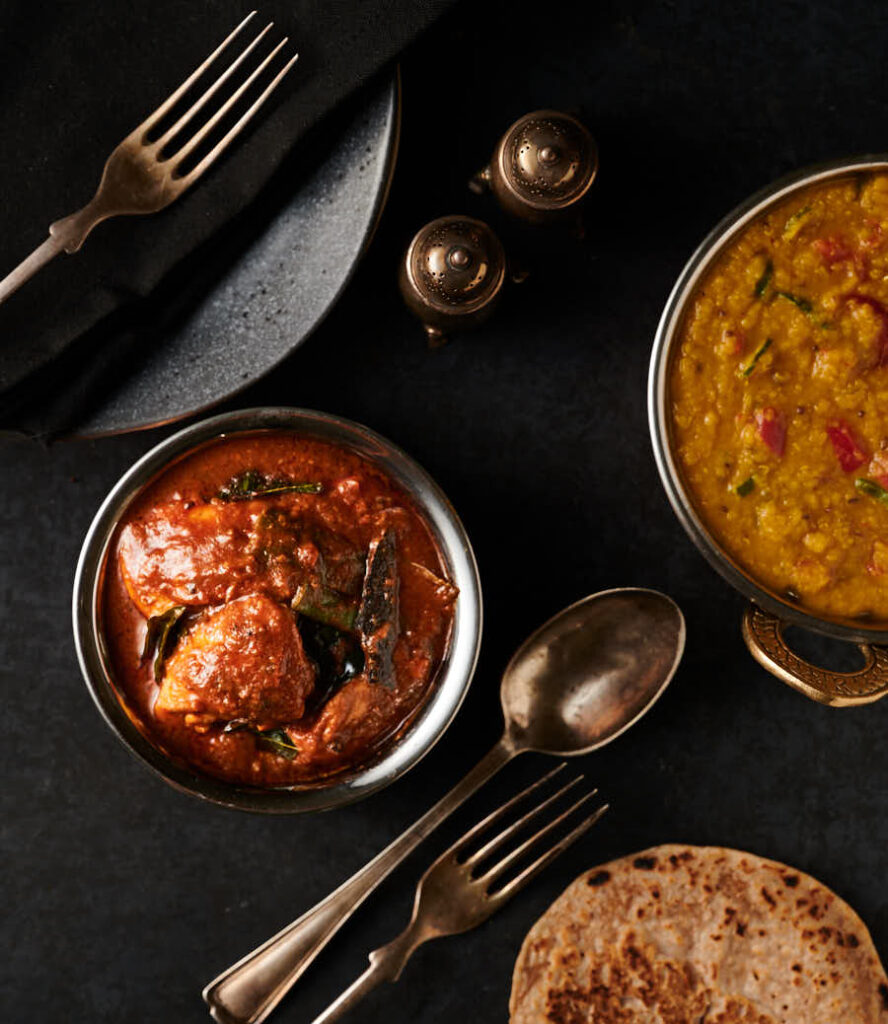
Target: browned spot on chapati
x=599 y=878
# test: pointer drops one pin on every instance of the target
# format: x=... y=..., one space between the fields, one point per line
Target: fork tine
x=485 y=823
x=520 y=880
x=199 y=136
x=167 y=105
x=502 y=866
x=498 y=840
x=171 y=133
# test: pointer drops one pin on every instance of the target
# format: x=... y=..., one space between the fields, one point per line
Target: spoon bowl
x=591 y=672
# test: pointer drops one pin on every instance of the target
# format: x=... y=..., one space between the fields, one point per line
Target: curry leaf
x=253 y=484
x=325 y=605
x=794 y=224
x=871 y=489
x=337 y=655
x=806 y=307
x=747 y=370
x=803 y=304
x=276 y=740
x=160 y=637
x=763 y=282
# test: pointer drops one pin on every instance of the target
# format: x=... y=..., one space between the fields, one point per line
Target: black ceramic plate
x=284 y=279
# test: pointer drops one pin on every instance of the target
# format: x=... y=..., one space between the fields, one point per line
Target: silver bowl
x=454 y=675
x=769 y=613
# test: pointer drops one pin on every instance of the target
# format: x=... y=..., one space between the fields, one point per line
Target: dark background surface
x=124 y=897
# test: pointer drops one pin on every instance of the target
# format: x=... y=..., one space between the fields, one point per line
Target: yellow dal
x=804 y=530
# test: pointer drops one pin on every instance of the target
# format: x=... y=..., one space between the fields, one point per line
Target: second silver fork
x=454 y=896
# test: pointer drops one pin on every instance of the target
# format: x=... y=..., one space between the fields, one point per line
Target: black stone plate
x=218 y=335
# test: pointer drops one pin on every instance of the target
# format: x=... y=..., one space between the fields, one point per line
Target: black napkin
x=75 y=78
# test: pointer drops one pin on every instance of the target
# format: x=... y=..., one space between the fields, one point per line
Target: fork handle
x=247 y=992
x=386 y=964
x=363 y=984
x=29 y=266
x=67 y=235
x=73 y=229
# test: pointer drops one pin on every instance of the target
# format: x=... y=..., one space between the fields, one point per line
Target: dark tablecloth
x=123 y=897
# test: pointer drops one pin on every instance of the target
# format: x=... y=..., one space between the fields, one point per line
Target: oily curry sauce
x=294 y=604
x=779 y=399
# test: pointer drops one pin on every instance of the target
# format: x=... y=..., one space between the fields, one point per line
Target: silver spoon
x=573 y=686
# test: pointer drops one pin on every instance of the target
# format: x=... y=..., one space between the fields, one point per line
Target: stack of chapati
x=698 y=935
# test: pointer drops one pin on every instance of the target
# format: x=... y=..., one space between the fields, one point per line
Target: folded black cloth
x=75 y=78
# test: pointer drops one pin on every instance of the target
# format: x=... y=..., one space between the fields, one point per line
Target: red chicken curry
x=275 y=609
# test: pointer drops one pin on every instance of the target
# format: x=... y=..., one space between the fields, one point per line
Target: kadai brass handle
x=763 y=633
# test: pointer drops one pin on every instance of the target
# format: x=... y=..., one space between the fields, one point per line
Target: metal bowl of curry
x=768 y=407
x=277 y=610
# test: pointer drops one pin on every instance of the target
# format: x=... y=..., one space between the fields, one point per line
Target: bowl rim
x=665 y=337
x=434 y=714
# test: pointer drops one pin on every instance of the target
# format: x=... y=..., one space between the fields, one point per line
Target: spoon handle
x=247 y=992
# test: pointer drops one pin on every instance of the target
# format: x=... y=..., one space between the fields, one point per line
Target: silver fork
x=453 y=897
x=138 y=176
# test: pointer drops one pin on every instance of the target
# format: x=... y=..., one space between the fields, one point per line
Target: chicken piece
x=243 y=661
x=297 y=551
x=181 y=555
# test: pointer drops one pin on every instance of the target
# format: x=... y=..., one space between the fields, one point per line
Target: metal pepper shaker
x=452 y=275
x=542 y=168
